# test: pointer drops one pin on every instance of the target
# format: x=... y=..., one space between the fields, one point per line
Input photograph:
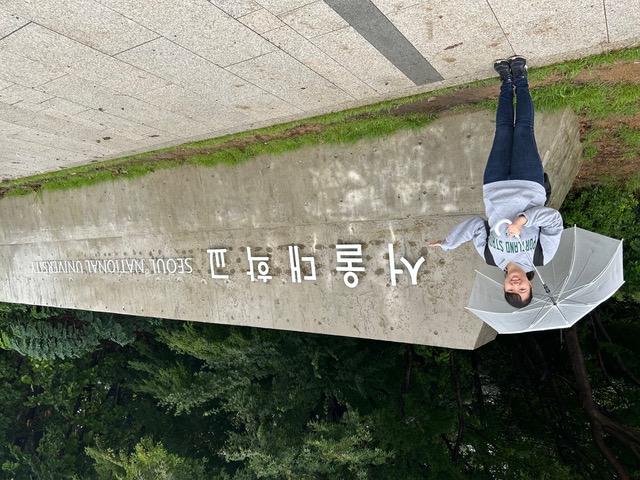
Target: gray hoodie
x=509 y=199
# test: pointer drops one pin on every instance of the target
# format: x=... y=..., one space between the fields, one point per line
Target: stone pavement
x=86 y=80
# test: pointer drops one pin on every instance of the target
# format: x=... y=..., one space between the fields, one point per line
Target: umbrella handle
x=497 y=226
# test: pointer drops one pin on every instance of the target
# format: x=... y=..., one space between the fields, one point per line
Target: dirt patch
x=264 y=138
x=619 y=72
x=613 y=157
x=442 y=103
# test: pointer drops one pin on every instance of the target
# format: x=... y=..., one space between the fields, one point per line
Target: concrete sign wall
x=328 y=240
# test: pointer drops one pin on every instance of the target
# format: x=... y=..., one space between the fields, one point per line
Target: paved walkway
x=83 y=80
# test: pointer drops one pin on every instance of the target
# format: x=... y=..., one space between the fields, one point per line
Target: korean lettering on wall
x=348 y=258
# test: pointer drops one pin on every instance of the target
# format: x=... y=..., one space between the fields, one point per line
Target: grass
x=592 y=100
x=589 y=99
x=630 y=139
x=589 y=148
x=570 y=70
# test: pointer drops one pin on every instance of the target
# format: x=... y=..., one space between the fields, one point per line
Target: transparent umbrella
x=585 y=271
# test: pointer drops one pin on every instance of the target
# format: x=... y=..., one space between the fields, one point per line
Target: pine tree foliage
x=344 y=449
x=45 y=335
x=148 y=461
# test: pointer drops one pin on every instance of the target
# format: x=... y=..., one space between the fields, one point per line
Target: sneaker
x=504 y=70
x=518 y=67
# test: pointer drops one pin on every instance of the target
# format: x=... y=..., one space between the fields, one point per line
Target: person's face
x=517 y=282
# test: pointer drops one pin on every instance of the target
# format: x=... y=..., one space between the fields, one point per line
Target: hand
x=435 y=244
x=514 y=228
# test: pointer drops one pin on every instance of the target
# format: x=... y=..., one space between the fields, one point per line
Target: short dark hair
x=515 y=300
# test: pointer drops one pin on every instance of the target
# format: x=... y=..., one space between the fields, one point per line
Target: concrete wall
x=140 y=246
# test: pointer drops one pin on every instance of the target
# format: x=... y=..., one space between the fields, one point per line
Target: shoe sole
x=517 y=57
x=524 y=66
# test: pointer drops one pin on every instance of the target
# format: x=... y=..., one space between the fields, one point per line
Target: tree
x=148 y=461
x=53 y=407
x=64 y=334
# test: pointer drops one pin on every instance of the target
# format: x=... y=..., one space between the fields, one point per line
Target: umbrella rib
x=568 y=292
x=541 y=313
x=573 y=262
x=540 y=309
x=562 y=314
x=557 y=307
x=569 y=301
x=487 y=277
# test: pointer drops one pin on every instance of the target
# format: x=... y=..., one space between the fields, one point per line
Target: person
x=513 y=189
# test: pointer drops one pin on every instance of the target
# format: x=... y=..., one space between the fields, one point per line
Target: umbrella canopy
x=586 y=270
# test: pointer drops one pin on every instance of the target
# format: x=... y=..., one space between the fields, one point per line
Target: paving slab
x=237 y=8
x=314 y=19
x=263 y=106
x=286 y=78
x=59 y=107
x=434 y=28
x=350 y=49
x=294 y=44
x=578 y=25
x=118 y=127
x=84 y=22
x=165 y=59
x=15 y=94
x=181 y=101
x=622 y=23
x=261 y=21
x=63 y=129
x=282 y=7
x=25 y=72
x=10 y=22
x=197 y=26
x=123 y=78
x=45 y=46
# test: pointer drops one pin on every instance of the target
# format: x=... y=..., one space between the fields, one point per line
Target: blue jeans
x=514 y=154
